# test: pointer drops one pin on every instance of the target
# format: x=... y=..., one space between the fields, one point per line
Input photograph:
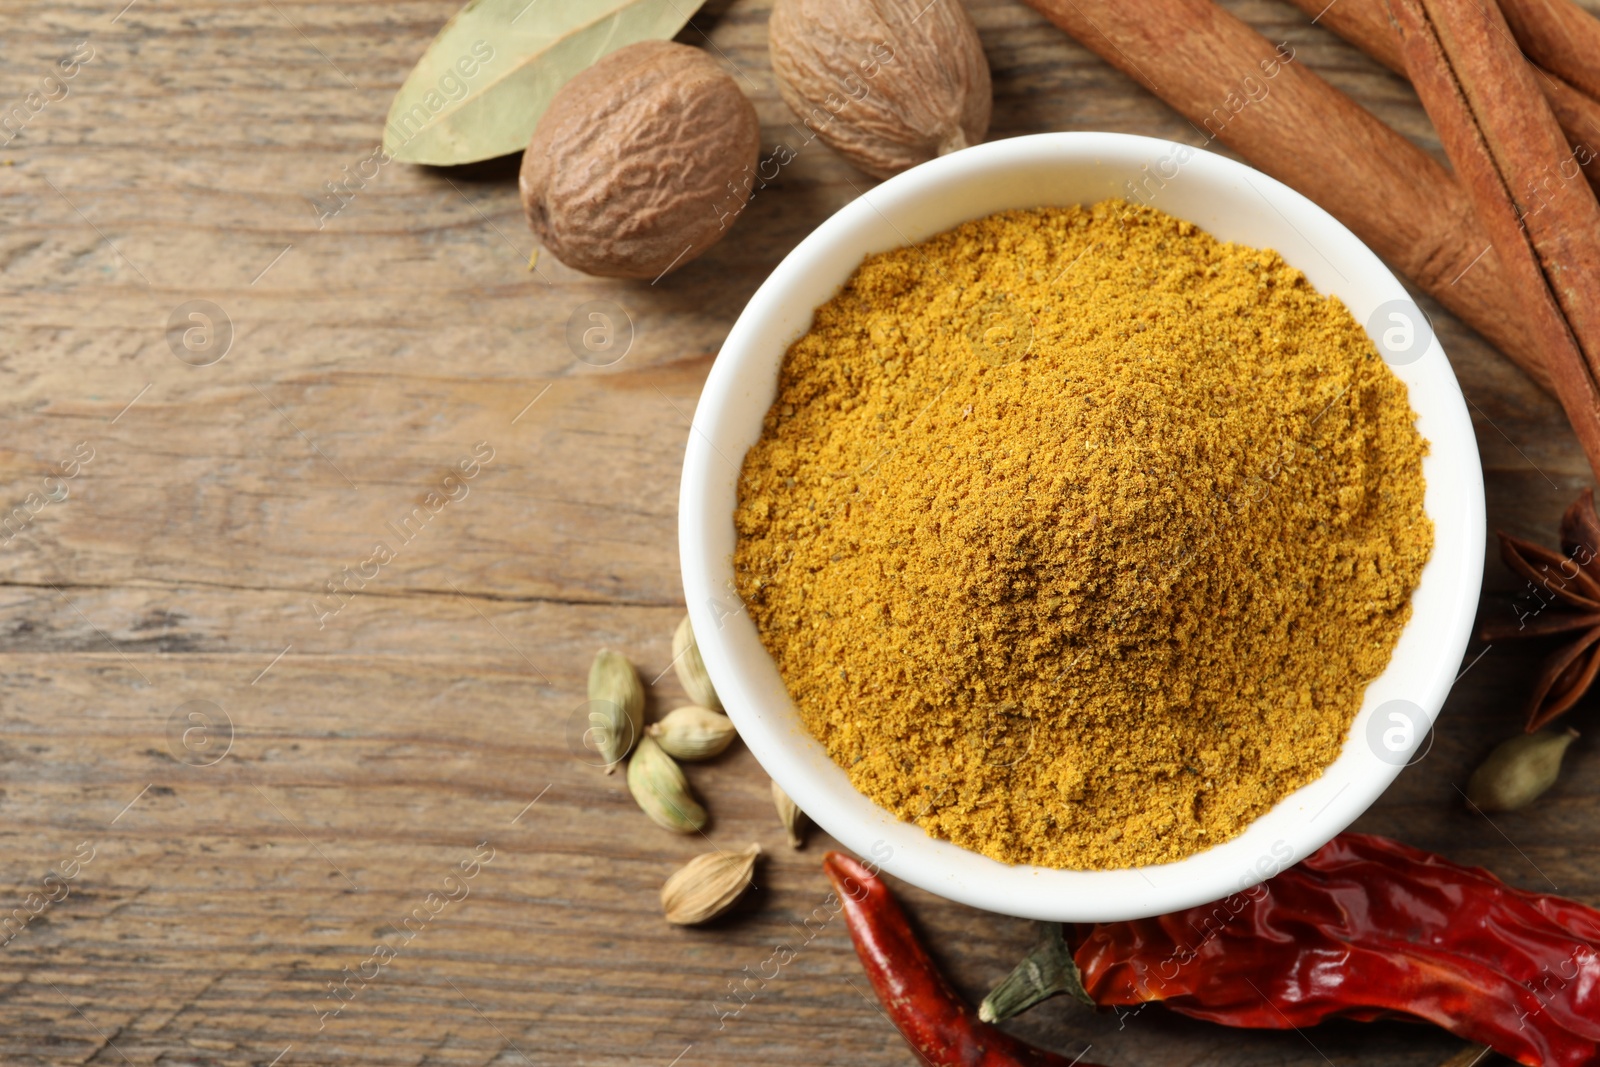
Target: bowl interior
x=1234 y=203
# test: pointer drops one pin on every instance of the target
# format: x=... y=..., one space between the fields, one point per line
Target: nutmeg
x=887 y=84
x=641 y=163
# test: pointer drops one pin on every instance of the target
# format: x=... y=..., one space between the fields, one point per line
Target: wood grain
x=373 y=751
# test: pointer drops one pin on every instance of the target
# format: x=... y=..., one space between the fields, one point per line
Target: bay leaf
x=480 y=88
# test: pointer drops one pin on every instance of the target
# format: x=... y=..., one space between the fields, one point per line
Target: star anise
x=1563 y=598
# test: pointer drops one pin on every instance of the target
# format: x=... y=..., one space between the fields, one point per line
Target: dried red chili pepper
x=1365 y=928
x=935 y=1022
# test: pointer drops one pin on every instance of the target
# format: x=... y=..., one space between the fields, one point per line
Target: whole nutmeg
x=641 y=163
x=887 y=84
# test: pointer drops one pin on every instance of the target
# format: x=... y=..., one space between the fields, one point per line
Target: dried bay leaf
x=480 y=88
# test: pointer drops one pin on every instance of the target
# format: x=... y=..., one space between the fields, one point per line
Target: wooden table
x=267 y=788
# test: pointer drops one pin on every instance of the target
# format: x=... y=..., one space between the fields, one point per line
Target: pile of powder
x=1077 y=534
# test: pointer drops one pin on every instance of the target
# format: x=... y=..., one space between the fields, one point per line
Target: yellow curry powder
x=1077 y=534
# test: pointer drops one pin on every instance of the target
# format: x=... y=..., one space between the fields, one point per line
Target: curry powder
x=1077 y=534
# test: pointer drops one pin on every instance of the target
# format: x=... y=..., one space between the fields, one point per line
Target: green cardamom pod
x=789 y=813
x=662 y=792
x=707 y=886
x=693 y=733
x=691 y=668
x=616 y=706
x=1519 y=770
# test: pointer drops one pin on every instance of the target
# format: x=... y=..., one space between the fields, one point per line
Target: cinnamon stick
x=1501 y=136
x=1561 y=37
x=1365 y=24
x=1307 y=134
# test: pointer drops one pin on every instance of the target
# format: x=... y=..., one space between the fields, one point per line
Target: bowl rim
x=903 y=848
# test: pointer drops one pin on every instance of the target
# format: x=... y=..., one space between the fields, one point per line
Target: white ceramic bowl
x=1234 y=203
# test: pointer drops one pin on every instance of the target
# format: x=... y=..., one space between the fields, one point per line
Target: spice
x=1561 y=35
x=592 y=187
x=662 y=791
x=487 y=78
x=1365 y=24
x=1563 y=599
x=794 y=820
x=1503 y=140
x=1365 y=928
x=707 y=886
x=887 y=84
x=936 y=1023
x=693 y=733
x=690 y=668
x=1076 y=534
x=1519 y=771
x=1251 y=94
x=616 y=706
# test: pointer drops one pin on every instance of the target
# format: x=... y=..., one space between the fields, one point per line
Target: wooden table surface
x=345 y=763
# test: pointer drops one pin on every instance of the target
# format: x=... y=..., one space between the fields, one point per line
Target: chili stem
x=1047 y=971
